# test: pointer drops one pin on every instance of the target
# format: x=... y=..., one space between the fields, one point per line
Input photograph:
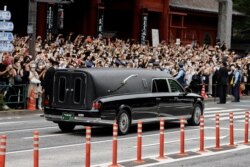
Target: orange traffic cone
x=203 y=92
x=32 y=102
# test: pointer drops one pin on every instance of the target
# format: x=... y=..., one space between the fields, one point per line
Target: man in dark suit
x=49 y=80
x=222 y=82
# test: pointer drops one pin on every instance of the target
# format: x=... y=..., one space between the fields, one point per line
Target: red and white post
x=246 y=127
x=202 y=138
x=182 y=137
x=231 y=129
x=161 y=151
x=88 y=144
x=36 y=148
x=114 y=155
x=217 y=131
x=139 y=143
x=3 y=140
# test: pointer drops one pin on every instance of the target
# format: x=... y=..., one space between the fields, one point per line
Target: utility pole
x=31 y=28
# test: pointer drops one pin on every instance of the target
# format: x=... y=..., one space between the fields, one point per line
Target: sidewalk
x=11 y=112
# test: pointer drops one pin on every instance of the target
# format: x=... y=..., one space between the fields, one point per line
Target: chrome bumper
x=79 y=120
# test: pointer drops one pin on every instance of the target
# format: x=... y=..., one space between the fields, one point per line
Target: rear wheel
x=124 y=122
x=197 y=112
x=66 y=127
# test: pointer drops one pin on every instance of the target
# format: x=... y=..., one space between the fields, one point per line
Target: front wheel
x=66 y=127
x=124 y=122
x=195 y=119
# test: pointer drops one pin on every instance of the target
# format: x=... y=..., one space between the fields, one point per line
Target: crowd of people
x=192 y=65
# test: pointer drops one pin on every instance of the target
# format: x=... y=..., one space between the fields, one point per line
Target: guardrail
x=13 y=95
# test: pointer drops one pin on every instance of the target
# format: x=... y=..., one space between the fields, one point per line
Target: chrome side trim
x=100 y=121
x=164 y=118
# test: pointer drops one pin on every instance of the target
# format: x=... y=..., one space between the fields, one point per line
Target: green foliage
x=242 y=6
x=241 y=26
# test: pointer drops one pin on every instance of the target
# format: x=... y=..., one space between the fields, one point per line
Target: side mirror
x=188 y=90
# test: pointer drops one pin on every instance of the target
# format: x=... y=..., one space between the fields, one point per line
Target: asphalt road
x=68 y=149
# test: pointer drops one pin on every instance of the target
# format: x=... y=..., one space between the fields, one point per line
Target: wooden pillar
x=137 y=20
x=92 y=21
x=182 y=27
x=164 y=27
x=41 y=20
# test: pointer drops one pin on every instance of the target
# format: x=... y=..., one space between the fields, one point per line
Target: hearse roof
x=104 y=72
x=108 y=81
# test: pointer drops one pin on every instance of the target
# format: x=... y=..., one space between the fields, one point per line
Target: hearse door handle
x=158 y=98
x=71 y=90
x=67 y=90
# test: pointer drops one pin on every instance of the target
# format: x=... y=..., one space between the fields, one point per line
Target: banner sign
x=5 y=15
x=6 y=26
x=6 y=36
x=155 y=37
x=144 y=28
x=6 y=46
x=100 y=24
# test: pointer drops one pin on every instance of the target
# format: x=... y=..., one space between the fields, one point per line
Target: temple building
x=181 y=21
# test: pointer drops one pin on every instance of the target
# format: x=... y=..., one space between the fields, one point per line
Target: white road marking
x=240 y=121
x=53 y=135
x=212 y=108
x=31 y=129
x=243 y=105
x=227 y=118
x=18 y=122
x=173 y=141
x=224 y=128
x=213 y=138
x=44 y=136
x=224 y=111
x=13 y=122
x=176 y=141
x=224 y=114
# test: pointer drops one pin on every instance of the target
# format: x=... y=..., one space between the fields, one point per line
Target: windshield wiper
x=123 y=83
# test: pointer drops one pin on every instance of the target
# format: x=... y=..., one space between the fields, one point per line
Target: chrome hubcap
x=197 y=115
x=124 y=122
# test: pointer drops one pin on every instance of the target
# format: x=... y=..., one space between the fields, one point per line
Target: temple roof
x=207 y=6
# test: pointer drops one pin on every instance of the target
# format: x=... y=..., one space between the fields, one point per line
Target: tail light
x=96 y=105
x=46 y=102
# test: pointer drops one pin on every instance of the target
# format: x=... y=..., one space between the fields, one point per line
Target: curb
x=12 y=112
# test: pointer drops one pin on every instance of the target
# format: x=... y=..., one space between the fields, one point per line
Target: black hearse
x=101 y=96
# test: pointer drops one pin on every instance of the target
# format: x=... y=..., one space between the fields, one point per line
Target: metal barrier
x=13 y=95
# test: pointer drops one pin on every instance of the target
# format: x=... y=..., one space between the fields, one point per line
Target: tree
x=241 y=27
x=242 y=6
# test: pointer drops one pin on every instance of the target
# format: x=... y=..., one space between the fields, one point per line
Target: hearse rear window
x=160 y=85
x=62 y=89
x=77 y=92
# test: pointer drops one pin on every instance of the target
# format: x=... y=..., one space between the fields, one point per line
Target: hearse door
x=166 y=102
x=182 y=102
x=69 y=90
